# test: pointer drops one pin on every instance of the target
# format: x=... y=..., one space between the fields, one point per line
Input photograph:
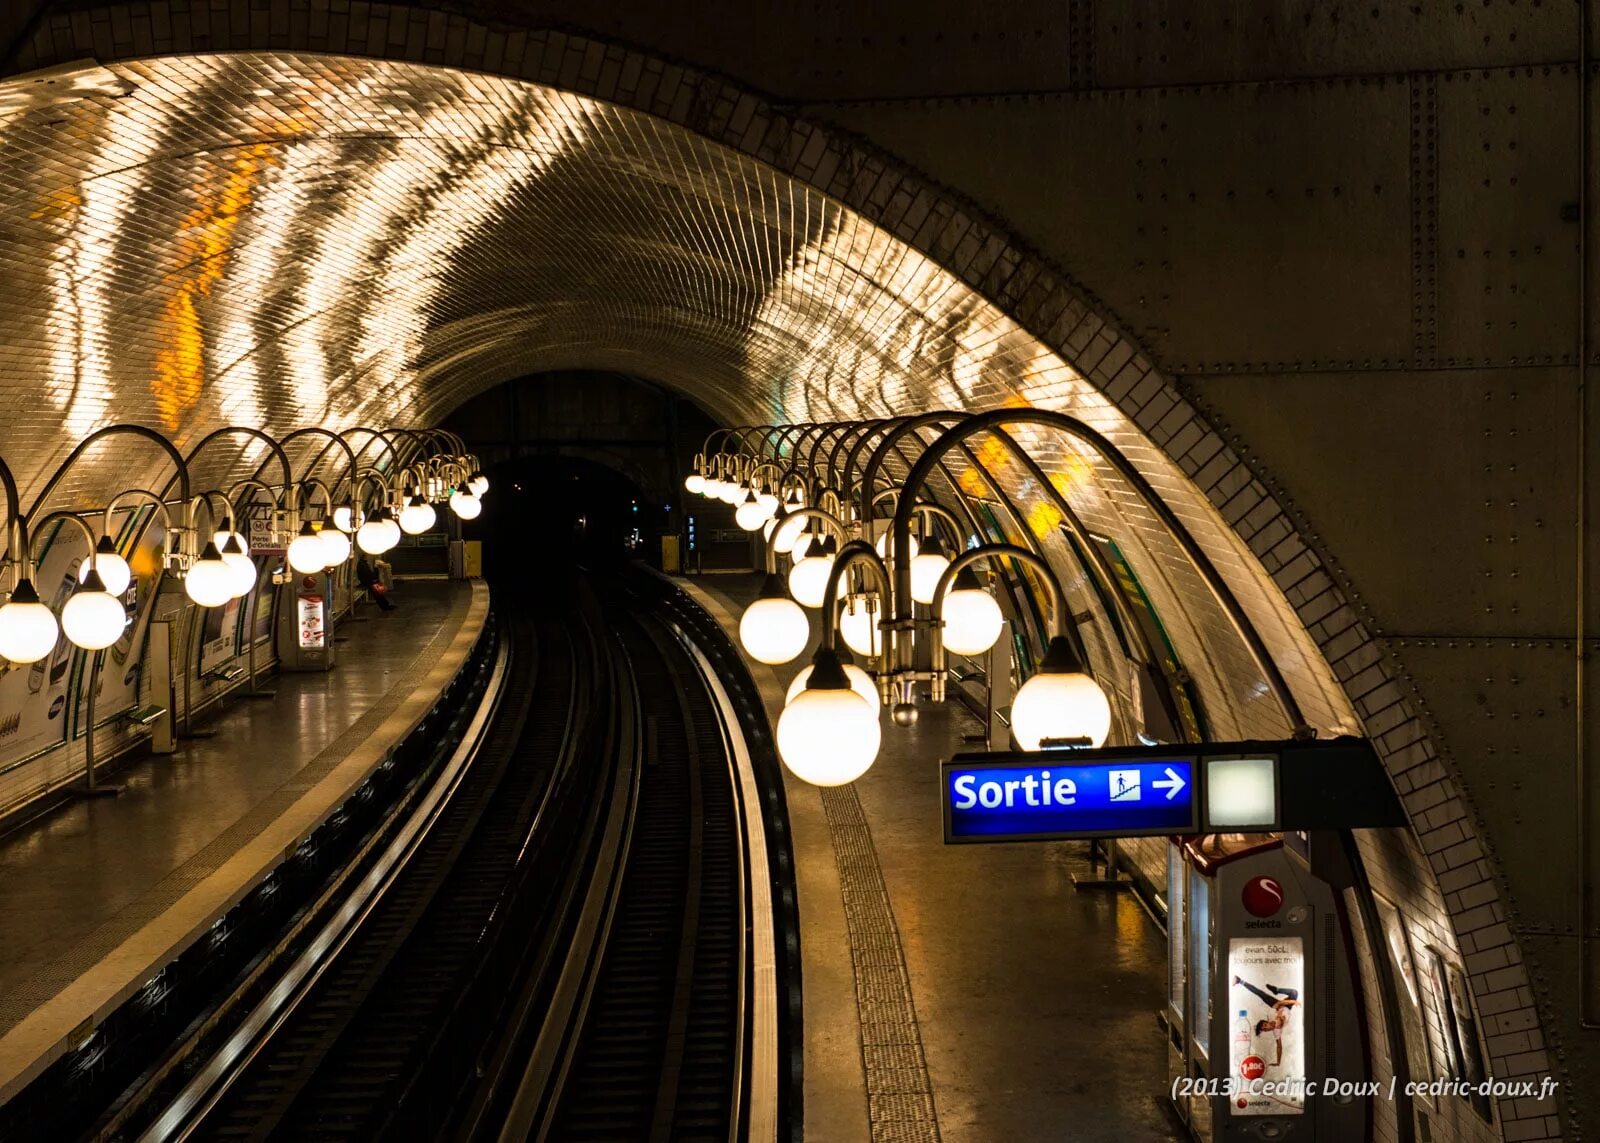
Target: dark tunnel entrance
x=556 y=511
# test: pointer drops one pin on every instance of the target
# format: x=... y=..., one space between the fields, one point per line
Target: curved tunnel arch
x=985 y=293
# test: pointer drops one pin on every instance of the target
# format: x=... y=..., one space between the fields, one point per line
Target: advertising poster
x=1267 y=1046
x=34 y=695
x=266 y=594
x=310 y=620
x=1416 y=1039
x=218 y=637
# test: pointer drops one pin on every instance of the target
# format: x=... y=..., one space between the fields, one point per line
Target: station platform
x=101 y=893
x=958 y=992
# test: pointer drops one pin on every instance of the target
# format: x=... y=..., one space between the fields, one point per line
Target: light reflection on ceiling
x=281 y=240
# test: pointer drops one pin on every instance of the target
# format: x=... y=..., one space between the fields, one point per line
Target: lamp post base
x=85 y=790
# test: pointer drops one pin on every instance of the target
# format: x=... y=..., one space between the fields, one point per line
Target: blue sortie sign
x=1049 y=797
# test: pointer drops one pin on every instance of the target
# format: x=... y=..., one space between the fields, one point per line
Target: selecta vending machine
x=1266 y=1036
x=305 y=623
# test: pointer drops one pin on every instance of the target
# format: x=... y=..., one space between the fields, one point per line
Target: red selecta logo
x=1263 y=896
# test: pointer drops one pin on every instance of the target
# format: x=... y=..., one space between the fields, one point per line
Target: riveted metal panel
x=1198 y=214
x=1508 y=706
x=1152 y=41
x=1507 y=265
x=1444 y=494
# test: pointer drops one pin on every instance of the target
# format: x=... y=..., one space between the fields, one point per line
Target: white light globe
x=860 y=682
x=695 y=483
x=28 y=628
x=370 y=536
x=972 y=621
x=733 y=492
x=808 y=580
x=885 y=545
x=221 y=540
x=465 y=505
x=768 y=528
x=774 y=630
x=479 y=485
x=306 y=554
x=93 y=620
x=1053 y=705
x=858 y=625
x=417 y=518
x=788 y=533
x=829 y=737
x=769 y=504
x=391 y=533
x=335 y=547
x=750 y=515
x=114 y=571
x=242 y=569
x=926 y=568
x=344 y=519
x=210 y=581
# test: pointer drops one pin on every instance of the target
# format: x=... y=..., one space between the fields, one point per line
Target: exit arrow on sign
x=1172 y=783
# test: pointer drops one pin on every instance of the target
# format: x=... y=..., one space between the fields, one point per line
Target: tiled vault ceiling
x=278 y=240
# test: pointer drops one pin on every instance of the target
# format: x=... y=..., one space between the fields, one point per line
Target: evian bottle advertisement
x=1267 y=1049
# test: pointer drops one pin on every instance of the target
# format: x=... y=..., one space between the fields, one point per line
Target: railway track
x=569 y=940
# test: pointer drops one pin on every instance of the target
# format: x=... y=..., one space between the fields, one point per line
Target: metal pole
x=89 y=789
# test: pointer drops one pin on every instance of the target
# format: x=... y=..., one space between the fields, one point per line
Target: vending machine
x=1266 y=1036
x=305 y=623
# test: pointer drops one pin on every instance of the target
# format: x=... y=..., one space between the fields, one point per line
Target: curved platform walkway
x=958 y=993
x=98 y=895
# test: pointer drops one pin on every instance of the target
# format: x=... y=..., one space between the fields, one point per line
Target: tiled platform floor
x=79 y=883
x=1034 y=1004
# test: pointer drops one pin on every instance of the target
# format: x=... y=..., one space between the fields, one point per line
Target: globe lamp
x=113 y=569
x=1060 y=702
x=93 y=618
x=240 y=566
x=972 y=618
x=774 y=629
x=210 y=581
x=808 y=579
x=28 y=628
x=927 y=566
x=306 y=553
x=829 y=734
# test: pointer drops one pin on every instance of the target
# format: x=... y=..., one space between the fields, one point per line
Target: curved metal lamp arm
x=1058 y=596
x=828 y=519
x=1061 y=422
x=377 y=435
x=333 y=437
x=273 y=495
x=16 y=525
x=140 y=494
x=854 y=552
x=923 y=508
x=78 y=522
x=179 y=464
x=1059 y=617
x=207 y=498
x=313 y=483
x=895 y=433
x=231 y=430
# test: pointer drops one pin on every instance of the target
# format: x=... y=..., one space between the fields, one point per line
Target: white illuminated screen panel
x=1242 y=793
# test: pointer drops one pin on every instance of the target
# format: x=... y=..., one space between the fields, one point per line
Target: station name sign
x=1052 y=795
